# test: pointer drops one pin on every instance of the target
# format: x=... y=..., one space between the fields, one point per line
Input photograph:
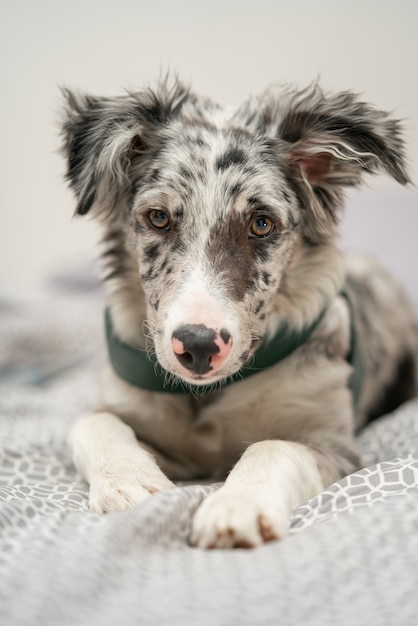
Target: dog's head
x=227 y=217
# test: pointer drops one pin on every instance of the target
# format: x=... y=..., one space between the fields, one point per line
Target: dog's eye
x=261 y=226
x=159 y=219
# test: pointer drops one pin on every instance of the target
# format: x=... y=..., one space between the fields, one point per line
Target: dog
x=243 y=346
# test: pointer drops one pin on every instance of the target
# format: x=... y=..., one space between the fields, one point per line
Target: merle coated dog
x=242 y=344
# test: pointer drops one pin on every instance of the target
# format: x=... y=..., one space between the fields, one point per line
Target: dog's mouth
x=203 y=356
x=203 y=340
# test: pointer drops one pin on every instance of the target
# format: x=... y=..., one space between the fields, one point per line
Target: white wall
x=224 y=48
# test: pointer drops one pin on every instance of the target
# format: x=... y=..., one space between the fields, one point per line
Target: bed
x=351 y=556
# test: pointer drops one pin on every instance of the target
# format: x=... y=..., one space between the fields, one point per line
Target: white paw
x=232 y=518
x=117 y=490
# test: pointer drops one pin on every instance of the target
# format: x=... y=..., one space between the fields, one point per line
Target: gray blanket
x=351 y=556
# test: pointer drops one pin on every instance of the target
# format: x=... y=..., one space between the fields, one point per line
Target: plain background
x=225 y=49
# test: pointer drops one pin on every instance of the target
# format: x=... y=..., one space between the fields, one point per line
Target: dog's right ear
x=104 y=137
x=100 y=138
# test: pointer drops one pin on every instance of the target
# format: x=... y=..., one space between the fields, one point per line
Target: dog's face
x=216 y=207
x=215 y=226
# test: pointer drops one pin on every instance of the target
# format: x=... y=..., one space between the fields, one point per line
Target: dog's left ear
x=329 y=142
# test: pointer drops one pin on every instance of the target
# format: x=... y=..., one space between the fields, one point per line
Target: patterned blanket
x=351 y=556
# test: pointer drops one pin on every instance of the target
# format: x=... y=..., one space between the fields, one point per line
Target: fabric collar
x=141 y=369
x=355 y=357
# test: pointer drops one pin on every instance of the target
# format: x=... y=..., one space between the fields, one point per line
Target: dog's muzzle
x=200 y=349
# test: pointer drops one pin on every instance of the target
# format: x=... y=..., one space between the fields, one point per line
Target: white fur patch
x=200 y=302
x=120 y=472
x=254 y=505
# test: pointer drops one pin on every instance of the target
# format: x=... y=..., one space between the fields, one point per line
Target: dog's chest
x=206 y=436
x=193 y=437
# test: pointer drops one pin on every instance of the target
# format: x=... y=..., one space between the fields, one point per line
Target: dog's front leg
x=119 y=471
x=254 y=505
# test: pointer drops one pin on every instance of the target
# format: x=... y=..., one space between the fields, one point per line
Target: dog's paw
x=239 y=519
x=112 y=491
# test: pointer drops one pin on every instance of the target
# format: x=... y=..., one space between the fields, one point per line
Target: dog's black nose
x=195 y=346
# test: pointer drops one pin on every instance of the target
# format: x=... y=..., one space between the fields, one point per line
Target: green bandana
x=141 y=369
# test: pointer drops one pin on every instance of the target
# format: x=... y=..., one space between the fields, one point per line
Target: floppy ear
x=104 y=138
x=331 y=141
